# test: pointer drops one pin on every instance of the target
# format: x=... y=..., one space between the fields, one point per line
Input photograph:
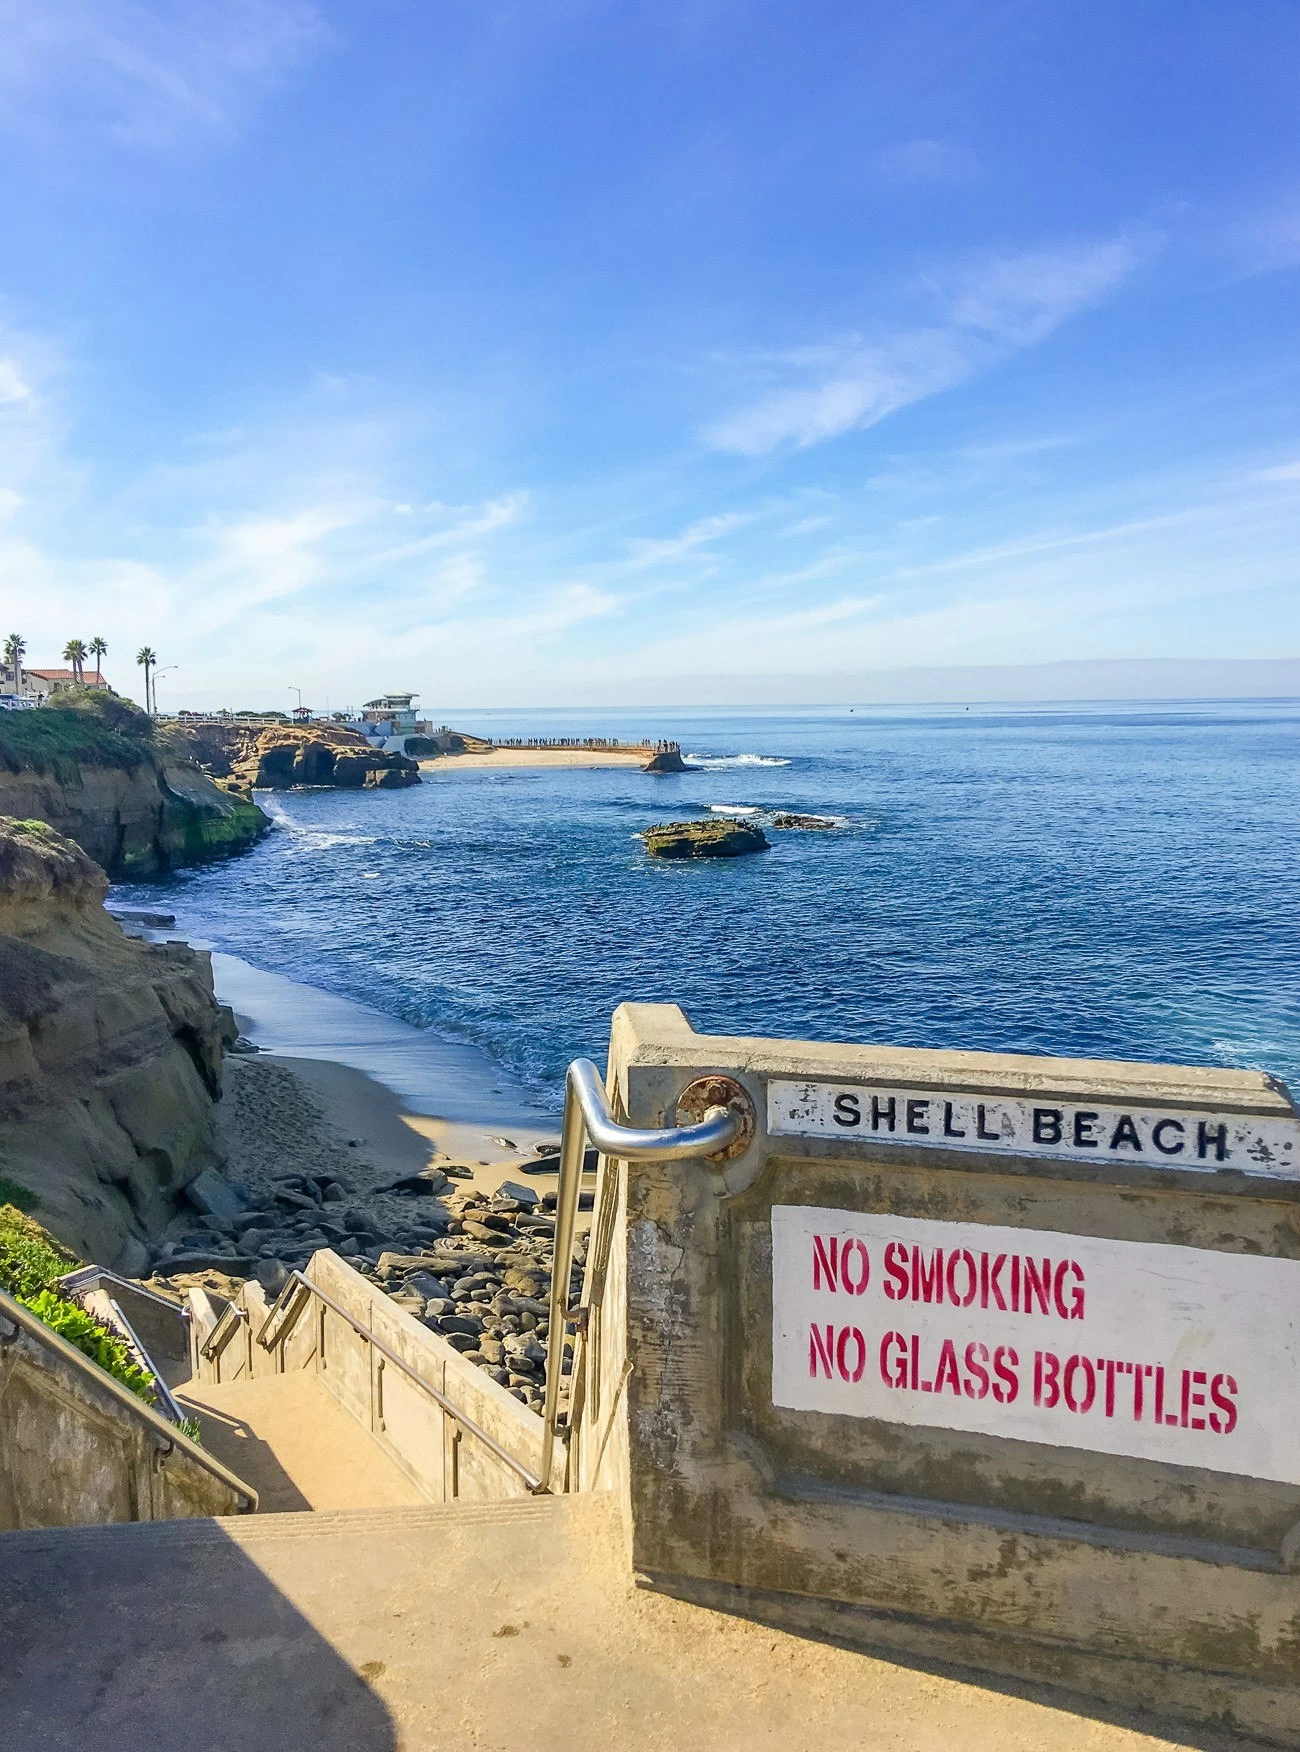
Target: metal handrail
x=298 y=1281
x=587 y=1115
x=164 y=1435
x=228 y=1324
x=171 y=1411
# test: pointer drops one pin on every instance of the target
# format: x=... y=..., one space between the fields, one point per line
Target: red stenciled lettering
x=821 y=1350
x=851 y=1371
x=1161 y=1415
x=1110 y=1366
x=1005 y=1364
x=1015 y=1283
x=1195 y=1400
x=826 y=1263
x=1140 y=1373
x=916 y=1362
x=927 y=1280
x=1037 y=1287
x=896 y=1271
x=946 y=1374
x=893 y=1372
x=989 y=1285
x=853 y=1248
x=976 y=1385
x=1072 y=1368
x=964 y=1258
x=1223 y=1392
x=1047 y=1378
x=1071 y=1308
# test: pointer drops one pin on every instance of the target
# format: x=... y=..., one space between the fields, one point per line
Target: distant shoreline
x=501 y=758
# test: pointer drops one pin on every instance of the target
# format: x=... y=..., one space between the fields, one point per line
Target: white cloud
x=1286 y=471
x=147 y=71
x=646 y=553
x=989 y=312
x=12 y=386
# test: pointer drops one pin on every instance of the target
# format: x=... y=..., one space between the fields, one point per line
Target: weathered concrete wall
x=443 y=1460
x=1136 y=1580
x=78 y=1448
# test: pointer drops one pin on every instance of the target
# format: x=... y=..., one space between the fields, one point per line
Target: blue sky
x=531 y=352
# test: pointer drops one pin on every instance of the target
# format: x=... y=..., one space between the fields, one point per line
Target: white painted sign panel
x=1078 y=1131
x=1163 y=1353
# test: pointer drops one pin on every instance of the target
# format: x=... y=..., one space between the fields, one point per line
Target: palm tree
x=74 y=652
x=15 y=651
x=98 y=648
x=147 y=658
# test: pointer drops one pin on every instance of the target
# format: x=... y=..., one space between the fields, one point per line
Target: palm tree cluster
x=75 y=653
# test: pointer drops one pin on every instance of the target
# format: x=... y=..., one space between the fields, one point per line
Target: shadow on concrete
x=124 y=1637
x=237 y=1445
x=784 y=1612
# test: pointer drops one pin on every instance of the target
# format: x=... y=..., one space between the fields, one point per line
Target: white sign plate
x=1161 y=1353
x=1010 y=1125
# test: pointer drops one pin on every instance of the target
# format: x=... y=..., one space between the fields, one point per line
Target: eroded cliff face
x=110 y=1053
x=284 y=756
x=139 y=820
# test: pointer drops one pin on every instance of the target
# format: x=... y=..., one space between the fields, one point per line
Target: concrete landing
x=293 y=1442
x=502 y=1627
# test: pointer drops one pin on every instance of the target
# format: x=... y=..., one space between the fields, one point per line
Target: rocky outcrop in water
x=284 y=757
x=704 y=839
x=104 y=779
x=110 y=1054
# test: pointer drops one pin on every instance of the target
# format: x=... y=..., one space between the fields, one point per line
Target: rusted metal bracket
x=707 y=1097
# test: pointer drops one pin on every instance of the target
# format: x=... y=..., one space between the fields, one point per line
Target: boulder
x=720 y=838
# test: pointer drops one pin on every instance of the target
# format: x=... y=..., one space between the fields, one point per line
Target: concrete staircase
x=503 y=1627
x=294 y=1443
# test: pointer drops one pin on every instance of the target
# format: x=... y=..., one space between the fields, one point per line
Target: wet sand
x=340 y=1086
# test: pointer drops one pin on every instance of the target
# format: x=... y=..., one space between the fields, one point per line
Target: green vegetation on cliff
x=86 y=727
x=31 y=1262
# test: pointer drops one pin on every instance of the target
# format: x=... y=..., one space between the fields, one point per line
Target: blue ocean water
x=1103 y=881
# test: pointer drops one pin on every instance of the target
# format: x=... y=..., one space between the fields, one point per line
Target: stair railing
x=288 y=1308
x=587 y=1116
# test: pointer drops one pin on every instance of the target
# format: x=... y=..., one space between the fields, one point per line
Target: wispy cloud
x=147 y=71
x=988 y=312
x=1286 y=471
x=648 y=553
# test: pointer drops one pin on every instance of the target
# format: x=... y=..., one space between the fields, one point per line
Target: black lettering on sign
x=916 y=1112
x=1211 y=1135
x=1083 y=1124
x=847 y=1111
x=981 y=1131
x=1158 y=1136
x=949 y=1129
x=1125 y=1132
x=882 y=1110
x=1047 y=1125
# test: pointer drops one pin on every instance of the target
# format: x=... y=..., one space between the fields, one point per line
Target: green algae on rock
x=704 y=839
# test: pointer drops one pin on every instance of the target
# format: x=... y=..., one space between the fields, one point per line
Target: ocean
x=1099 y=881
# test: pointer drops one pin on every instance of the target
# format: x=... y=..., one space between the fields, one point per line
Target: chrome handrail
x=298 y=1281
x=587 y=1115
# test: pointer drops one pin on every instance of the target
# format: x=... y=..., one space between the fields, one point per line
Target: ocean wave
x=734 y=809
x=715 y=762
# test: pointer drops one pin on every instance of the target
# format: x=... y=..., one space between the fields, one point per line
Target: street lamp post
x=156 y=674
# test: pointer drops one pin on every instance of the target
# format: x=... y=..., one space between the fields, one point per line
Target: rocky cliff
x=101 y=777
x=110 y=1054
x=281 y=757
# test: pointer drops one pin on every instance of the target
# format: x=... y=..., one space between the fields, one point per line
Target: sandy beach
x=503 y=758
x=339 y=1087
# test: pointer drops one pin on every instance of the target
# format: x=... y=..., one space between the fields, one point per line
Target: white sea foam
x=733 y=809
x=715 y=762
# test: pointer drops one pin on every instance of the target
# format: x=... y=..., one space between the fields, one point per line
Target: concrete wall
x=443 y=1460
x=78 y=1448
x=1134 y=1580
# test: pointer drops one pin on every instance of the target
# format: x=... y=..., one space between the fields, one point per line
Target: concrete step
x=293 y=1442
x=504 y=1626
